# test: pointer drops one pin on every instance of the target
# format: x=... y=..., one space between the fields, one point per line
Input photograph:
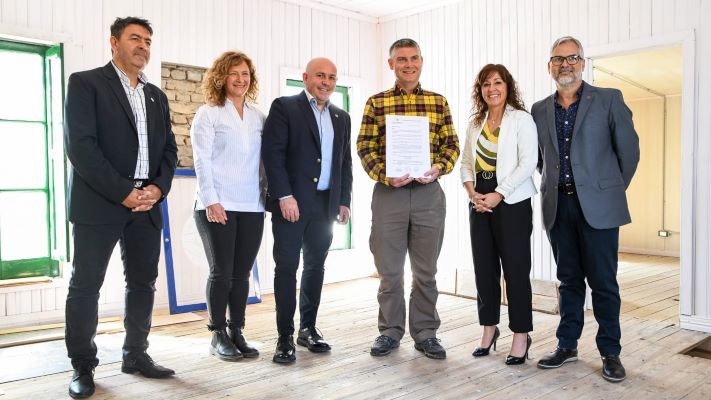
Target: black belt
x=486 y=175
x=140 y=183
x=567 y=188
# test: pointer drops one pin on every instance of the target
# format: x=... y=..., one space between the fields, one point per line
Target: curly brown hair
x=214 y=81
x=513 y=96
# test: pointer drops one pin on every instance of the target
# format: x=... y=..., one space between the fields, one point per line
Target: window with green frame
x=341 y=233
x=33 y=228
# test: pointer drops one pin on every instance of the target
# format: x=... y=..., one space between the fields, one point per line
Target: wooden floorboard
x=651 y=340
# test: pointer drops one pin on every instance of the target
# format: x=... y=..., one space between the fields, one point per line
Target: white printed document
x=407 y=146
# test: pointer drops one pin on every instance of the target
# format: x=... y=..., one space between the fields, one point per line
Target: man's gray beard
x=569 y=80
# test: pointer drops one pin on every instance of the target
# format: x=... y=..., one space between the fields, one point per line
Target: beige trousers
x=406 y=220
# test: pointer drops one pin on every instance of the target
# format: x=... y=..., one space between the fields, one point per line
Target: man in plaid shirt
x=408 y=212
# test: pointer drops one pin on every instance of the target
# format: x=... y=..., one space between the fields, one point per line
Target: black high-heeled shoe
x=511 y=360
x=484 y=351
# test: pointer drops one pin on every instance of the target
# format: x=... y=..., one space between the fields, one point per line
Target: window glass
x=23 y=155
x=22 y=95
x=23 y=227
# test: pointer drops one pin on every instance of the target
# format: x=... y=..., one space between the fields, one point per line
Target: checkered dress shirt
x=137 y=100
x=444 y=144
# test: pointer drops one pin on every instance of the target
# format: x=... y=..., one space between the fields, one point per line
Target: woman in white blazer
x=498 y=161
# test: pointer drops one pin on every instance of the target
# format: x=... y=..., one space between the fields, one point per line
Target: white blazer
x=516 y=157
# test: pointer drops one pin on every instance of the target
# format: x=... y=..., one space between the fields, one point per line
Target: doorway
x=651 y=82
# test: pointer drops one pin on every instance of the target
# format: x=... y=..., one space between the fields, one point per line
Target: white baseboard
x=650 y=252
x=57 y=316
x=695 y=323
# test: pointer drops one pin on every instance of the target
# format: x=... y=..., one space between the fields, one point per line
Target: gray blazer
x=604 y=154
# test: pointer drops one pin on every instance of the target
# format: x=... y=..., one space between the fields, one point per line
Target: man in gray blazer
x=589 y=151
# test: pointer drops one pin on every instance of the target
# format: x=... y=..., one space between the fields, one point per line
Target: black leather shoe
x=144 y=364
x=383 y=345
x=557 y=358
x=431 y=348
x=82 y=384
x=311 y=338
x=612 y=369
x=285 y=351
x=513 y=360
x=222 y=347
x=237 y=338
x=484 y=351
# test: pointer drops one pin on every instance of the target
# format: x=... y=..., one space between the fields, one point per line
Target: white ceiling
x=384 y=9
x=659 y=70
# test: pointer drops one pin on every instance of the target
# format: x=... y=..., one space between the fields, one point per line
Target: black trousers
x=313 y=232
x=231 y=250
x=140 y=242
x=585 y=253
x=502 y=240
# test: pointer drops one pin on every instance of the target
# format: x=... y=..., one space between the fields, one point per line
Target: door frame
x=687 y=41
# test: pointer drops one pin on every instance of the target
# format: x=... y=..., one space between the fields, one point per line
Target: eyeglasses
x=572 y=59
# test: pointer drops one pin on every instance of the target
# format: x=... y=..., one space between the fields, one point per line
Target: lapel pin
x=335 y=115
x=152 y=100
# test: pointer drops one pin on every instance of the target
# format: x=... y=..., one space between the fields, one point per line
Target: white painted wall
x=458 y=39
x=276 y=34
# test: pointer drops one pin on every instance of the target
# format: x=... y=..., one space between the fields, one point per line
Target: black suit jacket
x=291 y=152
x=101 y=142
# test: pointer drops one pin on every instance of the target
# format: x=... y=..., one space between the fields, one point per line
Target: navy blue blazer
x=101 y=142
x=291 y=152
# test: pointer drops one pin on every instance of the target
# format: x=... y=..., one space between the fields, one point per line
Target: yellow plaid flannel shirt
x=444 y=144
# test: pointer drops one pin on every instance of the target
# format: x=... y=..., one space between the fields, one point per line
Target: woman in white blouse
x=229 y=209
x=499 y=157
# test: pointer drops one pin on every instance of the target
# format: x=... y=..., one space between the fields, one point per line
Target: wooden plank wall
x=276 y=34
x=458 y=39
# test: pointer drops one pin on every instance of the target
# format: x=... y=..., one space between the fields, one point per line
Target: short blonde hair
x=213 y=84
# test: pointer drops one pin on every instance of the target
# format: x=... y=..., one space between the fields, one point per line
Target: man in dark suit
x=589 y=152
x=306 y=149
x=119 y=141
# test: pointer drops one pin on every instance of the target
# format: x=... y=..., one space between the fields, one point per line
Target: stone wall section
x=183 y=86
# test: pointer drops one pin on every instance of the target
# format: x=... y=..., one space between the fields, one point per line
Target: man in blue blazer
x=589 y=152
x=306 y=149
x=123 y=155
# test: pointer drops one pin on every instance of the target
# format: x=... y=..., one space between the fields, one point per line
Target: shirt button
x=315 y=179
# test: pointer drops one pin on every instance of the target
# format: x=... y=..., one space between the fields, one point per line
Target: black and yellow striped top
x=486 y=148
